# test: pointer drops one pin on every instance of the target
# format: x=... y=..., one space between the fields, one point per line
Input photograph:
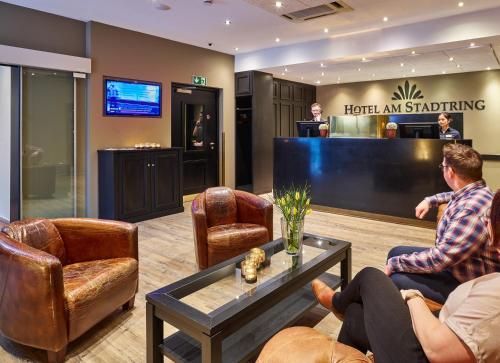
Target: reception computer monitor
x=419 y=130
x=308 y=128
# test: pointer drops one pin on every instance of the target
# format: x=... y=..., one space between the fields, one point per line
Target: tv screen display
x=131 y=98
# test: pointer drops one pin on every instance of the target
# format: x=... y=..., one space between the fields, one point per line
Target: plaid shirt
x=462 y=239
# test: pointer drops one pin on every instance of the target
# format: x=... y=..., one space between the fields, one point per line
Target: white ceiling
x=256 y=23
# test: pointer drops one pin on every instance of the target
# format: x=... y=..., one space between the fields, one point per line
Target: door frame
x=220 y=123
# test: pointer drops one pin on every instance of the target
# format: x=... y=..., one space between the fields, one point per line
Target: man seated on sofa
x=462 y=251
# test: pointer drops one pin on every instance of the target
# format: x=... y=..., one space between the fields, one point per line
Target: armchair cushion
x=40 y=234
x=220 y=206
x=94 y=289
x=230 y=240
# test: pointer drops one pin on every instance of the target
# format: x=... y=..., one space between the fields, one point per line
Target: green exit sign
x=199 y=80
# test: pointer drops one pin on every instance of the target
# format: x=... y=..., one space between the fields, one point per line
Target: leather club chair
x=60 y=277
x=227 y=223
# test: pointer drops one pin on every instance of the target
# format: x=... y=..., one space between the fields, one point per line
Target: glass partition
x=357 y=126
x=48 y=144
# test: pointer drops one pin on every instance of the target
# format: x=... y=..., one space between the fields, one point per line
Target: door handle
x=212 y=146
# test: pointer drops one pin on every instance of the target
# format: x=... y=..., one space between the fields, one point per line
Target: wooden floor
x=166 y=254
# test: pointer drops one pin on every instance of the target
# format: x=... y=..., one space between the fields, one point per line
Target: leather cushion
x=230 y=240
x=40 y=234
x=220 y=206
x=301 y=344
x=94 y=289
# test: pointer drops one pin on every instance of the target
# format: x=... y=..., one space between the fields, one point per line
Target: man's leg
x=436 y=286
x=353 y=332
x=386 y=317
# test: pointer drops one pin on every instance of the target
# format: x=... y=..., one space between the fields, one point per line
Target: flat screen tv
x=128 y=97
x=419 y=130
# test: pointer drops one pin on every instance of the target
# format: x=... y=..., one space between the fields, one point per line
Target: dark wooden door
x=134 y=187
x=195 y=128
x=165 y=177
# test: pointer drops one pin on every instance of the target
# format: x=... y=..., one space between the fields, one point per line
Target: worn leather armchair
x=60 y=277
x=227 y=223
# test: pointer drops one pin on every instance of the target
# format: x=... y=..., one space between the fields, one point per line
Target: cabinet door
x=166 y=180
x=134 y=195
x=243 y=83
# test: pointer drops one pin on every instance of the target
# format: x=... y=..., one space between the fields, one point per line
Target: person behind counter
x=316 y=112
x=445 y=131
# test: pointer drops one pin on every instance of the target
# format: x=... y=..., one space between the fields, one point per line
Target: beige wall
x=483 y=127
x=128 y=54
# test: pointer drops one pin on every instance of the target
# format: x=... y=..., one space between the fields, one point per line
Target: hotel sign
x=407 y=98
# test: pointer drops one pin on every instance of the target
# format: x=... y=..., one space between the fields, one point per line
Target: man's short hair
x=316 y=105
x=464 y=160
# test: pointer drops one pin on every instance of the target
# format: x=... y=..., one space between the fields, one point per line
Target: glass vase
x=292 y=233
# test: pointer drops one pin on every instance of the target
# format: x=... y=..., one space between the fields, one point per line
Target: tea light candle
x=250 y=270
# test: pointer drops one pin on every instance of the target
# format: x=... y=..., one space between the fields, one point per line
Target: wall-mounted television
x=128 y=97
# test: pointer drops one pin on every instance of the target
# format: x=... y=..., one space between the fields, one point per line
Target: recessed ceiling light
x=236 y=49
x=322 y=74
x=286 y=69
x=413 y=70
x=301 y=78
x=413 y=52
x=363 y=59
x=451 y=59
x=488 y=68
x=318 y=81
x=458 y=66
x=282 y=73
x=359 y=69
x=386 y=18
x=460 y=4
x=322 y=65
x=373 y=74
x=279 y=4
x=402 y=64
x=472 y=45
x=338 y=82
x=277 y=40
x=227 y=22
x=325 y=30
x=444 y=72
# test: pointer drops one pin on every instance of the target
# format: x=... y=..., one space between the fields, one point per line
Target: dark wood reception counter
x=381 y=176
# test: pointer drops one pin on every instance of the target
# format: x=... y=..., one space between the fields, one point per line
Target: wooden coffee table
x=221 y=318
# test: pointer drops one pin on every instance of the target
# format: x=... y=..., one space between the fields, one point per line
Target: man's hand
x=422 y=209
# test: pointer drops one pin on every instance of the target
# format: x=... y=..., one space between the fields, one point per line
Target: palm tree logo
x=407 y=93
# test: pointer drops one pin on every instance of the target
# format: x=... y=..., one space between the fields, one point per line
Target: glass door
x=48 y=164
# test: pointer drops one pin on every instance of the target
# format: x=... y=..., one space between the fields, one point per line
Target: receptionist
x=316 y=112
x=445 y=131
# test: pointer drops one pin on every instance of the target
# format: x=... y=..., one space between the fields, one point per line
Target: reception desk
x=377 y=176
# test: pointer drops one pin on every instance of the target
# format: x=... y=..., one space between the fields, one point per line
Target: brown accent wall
x=32 y=29
x=128 y=54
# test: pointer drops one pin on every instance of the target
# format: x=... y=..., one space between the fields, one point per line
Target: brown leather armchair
x=227 y=223
x=60 y=277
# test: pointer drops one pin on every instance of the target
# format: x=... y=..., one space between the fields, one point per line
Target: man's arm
x=466 y=233
x=438 y=341
x=423 y=207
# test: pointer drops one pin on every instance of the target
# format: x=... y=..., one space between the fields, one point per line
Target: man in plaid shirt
x=463 y=250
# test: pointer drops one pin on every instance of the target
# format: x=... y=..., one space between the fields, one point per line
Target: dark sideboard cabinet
x=135 y=185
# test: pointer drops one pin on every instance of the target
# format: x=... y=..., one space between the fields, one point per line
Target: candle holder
x=250 y=271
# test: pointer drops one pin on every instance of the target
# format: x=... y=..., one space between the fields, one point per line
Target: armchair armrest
x=32 y=308
x=88 y=239
x=254 y=209
x=200 y=230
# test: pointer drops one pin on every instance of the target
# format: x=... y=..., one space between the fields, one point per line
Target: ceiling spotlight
x=301 y=78
x=279 y=4
x=227 y=22
x=458 y=65
x=413 y=70
x=402 y=64
x=472 y=45
x=318 y=81
x=386 y=18
x=363 y=59
x=413 y=52
x=236 y=49
x=325 y=30
x=282 y=73
x=359 y=69
x=322 y=74
x=286 y=69
x=460 y=4
x=277 y=40
x=451 y=59
x=322 y=65
x=488 y=68
x=444 y=72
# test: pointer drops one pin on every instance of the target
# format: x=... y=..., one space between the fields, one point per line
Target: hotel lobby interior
x=149 y=149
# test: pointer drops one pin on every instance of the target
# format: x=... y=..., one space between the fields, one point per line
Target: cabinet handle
x=152 y=164
x=148 y=165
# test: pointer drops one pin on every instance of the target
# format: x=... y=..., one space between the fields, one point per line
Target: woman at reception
x=445 y=131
